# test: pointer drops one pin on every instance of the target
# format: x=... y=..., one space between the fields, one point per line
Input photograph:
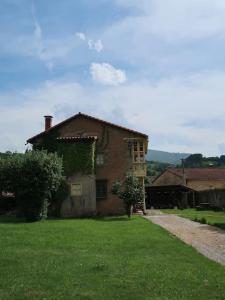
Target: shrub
x=201 y=220
x=41 y=176
x=7 y=204
x=131 y=192
x=58 y=197
x=10 y=172
x=32 y=177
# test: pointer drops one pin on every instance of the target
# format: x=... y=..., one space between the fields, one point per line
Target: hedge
x=32 y=177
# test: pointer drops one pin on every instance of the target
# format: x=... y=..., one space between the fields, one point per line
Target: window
x=100 y=159
x=76 y=189
x=138 y=152
x=101 y=189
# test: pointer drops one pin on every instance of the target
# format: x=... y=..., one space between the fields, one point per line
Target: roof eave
x=32 y=139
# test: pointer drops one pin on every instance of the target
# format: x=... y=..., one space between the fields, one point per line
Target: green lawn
x=216 y=218
x=111 y=258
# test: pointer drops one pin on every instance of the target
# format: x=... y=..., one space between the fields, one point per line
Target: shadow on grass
x=220 y=225
x=15 y=220
x=112 y=219
x=96 y=218
x=11 y=219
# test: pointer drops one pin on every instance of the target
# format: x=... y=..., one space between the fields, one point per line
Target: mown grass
x=215 y=218
x=111 y=258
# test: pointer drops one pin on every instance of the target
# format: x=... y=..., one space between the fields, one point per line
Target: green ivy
x=78 y=156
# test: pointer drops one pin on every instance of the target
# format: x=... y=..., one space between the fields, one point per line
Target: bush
x=10 y=172
x=32 y=177
x=7 y=204
x=58 y=197
x=131 y=192
x=201 y=220
x=41 y=176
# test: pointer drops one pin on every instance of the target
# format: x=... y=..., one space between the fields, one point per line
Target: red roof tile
x=30 y=140
x=200 y=173
x=72 y=138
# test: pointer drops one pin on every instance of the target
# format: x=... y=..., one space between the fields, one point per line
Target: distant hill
x=166 y=157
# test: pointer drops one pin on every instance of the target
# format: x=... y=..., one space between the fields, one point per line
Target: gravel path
x=208 y=240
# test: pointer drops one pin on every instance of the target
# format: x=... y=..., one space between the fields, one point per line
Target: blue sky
x=154 y=65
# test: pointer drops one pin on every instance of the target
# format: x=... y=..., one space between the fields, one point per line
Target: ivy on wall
x=78 y=156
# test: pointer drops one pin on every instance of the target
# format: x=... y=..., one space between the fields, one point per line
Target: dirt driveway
x=208 y=240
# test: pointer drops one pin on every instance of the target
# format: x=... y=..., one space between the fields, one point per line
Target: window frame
x=100 y=159
x=104 y=189
x=138 y=153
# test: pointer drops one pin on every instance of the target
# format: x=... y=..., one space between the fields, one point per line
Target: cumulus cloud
x=161 y=110
x=175 y=19
x=106 y=74
x=168 y=36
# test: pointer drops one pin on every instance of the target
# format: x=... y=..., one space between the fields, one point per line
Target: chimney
x=48 y=122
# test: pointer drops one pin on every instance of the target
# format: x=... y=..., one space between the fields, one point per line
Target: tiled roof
x=88 y=117
x=200 y=173
x=72 y=138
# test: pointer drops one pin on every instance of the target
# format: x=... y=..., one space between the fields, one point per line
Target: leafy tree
x=194 y=160
x=10 y=172
x=32 y=177
x=130 y=191
x=41 y=176
x=154 y=168
x=222 y=160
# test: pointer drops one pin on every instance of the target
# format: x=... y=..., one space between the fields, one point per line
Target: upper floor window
x=100 y=159
x=138 y=152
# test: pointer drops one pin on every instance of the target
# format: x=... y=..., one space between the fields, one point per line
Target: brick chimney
x=48 y=122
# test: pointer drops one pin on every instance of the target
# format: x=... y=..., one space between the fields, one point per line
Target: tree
x=32 y=177
x=222 y=160
x=130 y=191
x=194 y=160
x=41 y=176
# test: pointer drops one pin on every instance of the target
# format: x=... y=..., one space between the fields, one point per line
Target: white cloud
x=106 y=74
x=175 y=20
x=38 y=41
x=96 y=45
x=159 y=109
x=81 y=36
x=90 y=44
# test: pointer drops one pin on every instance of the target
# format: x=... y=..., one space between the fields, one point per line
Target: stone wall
x=83 y=205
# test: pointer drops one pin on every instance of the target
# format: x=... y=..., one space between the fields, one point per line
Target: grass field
x=215 y=218
x=111 y=258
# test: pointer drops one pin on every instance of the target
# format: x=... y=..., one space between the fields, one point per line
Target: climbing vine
x=78 y=156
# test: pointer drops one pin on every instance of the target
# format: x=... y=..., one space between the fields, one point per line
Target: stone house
x=193 y=185
x=197 y=179
x=96 y=153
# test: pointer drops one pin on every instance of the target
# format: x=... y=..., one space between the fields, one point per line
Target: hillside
x=166 y=157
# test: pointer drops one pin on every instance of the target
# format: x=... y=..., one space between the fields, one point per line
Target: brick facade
x=112 y=145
